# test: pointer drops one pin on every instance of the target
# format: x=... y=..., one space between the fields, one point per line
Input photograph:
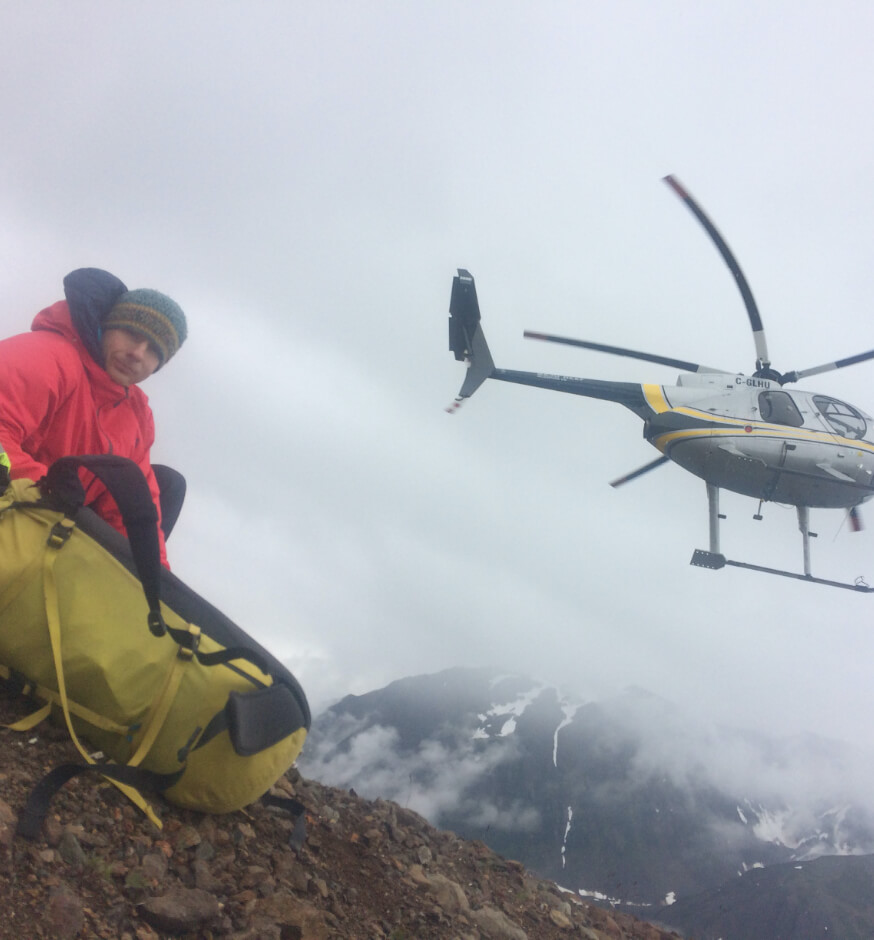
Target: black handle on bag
x=62 y=490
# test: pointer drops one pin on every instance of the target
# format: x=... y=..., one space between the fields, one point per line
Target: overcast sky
x=304 y=178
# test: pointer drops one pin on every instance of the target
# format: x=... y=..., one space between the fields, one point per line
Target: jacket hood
x=91 y=293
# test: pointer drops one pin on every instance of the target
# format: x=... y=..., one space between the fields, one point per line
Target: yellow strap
x=50 y=592
x=161 y=707
x=80 y=711
x=31 y=720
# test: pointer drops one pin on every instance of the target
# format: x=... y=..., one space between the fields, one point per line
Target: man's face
x=128 y=356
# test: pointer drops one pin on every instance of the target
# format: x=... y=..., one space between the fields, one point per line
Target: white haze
x=783 y=786
x=305 y=179
x=433 y=780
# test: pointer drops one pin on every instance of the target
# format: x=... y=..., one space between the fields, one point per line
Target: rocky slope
x=366 y=869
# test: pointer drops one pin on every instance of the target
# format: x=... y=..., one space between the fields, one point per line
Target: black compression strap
x=185 y=639
x=32 y=816
x=294 y=808
x=62 y=490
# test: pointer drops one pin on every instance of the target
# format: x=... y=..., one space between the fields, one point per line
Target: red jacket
x=56 y=401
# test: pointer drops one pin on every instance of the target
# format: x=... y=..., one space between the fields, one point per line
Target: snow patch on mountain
x=568 y=711
x=509 y=711
x=567 y=831
x=806 y=833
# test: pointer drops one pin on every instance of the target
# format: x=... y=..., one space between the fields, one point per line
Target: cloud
x=434 y=780
x=788 y=786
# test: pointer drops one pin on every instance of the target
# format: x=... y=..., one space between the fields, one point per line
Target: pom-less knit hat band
x=152 y=314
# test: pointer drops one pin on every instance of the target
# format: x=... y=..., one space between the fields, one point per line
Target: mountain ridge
x=620 y=801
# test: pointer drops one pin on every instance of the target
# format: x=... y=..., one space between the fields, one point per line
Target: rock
x=560 y=919
x=204 y=878
x=154 y=866
x=448 y=894
x=265 y=931
x=52 y=831
x=589 y=934
x=186 y=838
x=496 y=925
x=205 y=850
x=293 y=914
x=299 y=880
x=70 y=850
x=418 y=876
x=180 y=910
x=66 y=915
x=319 y=885
x=136 y=879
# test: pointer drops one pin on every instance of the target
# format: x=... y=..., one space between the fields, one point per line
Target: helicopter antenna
x=763 y=362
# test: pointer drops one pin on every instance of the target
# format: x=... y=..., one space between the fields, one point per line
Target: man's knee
x=172 y=486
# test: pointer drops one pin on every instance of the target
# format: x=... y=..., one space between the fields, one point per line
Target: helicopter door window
x=779 y=408
x=841 y=417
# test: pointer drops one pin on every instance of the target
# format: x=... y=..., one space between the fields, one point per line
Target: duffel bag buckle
x=190 y=643
x=61 y=531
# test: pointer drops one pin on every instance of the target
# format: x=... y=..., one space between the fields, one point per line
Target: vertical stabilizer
x=466 y=338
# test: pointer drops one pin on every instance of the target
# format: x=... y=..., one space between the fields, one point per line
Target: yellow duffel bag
x=168 y=691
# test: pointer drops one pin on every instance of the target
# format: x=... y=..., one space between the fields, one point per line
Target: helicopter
x=743 y=433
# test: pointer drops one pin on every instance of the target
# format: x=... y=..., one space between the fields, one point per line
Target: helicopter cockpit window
x=779 y=408
x=841 y=417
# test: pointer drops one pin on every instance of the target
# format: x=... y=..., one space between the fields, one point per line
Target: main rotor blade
x=828 y=367
x=639 y=472
x=620 y=351
x=763 y=361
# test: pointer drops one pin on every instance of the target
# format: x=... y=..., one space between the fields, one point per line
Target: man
x=70 y=386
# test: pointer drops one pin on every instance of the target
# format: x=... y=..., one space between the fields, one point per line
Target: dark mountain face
x=624 y=800
x=828 y=897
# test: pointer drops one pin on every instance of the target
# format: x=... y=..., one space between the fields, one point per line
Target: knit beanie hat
x=152 y=314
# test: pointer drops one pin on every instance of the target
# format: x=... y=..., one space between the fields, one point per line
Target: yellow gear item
x=202 y=707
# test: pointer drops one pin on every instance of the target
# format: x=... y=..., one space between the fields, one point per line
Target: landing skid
x=702 y=559
x=715 y=560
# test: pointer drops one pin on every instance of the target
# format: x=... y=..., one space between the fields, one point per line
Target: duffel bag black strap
x=62 y=490
x=294 y=808
x=32 y=816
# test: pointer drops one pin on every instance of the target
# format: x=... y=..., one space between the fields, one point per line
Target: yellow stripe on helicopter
x=774 y=431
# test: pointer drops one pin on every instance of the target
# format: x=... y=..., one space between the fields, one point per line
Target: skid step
x=702 y=559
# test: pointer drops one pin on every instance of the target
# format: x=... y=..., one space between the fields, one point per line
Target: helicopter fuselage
x=753 y=437
x=745 y=434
